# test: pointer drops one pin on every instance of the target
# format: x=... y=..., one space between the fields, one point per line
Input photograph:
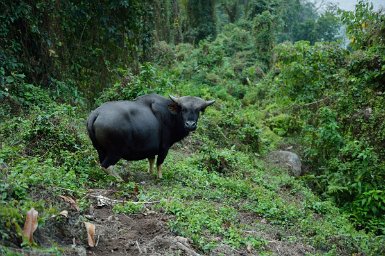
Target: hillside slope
x=223 y=200
x=219 y=195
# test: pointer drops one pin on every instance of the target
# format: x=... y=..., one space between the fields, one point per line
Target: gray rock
x=74 y=250
x=286 y=160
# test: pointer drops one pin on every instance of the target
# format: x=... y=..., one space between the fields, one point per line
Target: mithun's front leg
x=159 y=167
x=159 y=162
x=151 y=165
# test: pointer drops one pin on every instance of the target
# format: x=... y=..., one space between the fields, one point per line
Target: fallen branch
x=186 y=249
x=137 y=245
x=306 y=105
x=146 y=202
x=315 y=102
x=97 y=241
x=102 y=201
x=251 y=231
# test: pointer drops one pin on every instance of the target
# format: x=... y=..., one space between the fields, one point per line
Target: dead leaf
x=30 y=224
x=136 y=190
x=90 y=233
x=71 y=201
x=64 y=213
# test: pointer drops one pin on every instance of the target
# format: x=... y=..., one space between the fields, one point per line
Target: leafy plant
x=149 y=80
x=129 y=208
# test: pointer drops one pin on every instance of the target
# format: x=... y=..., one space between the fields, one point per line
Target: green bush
x=163 y=54
x=18 y=96
x=228 y=128
x=221 y=161
x=336 y=96
x=149 y=80
x=307 y=73
x=49 y=133
x=210 y=55
x=354 y=180
x=283 y=124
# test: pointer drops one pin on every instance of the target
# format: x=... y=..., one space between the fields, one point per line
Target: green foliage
x=42 y=155
x=324 y=140
x=264 y=28
x=325 y=99
x=355 y=181
x=17 y=96
x=222 y=161
x=327 y=26
x=233 y=129
x=149 y=80
x=211 y=207
x=10 y=222
x=48 y=133
x=82 y=41
x=364 y=26
x=210 y=55
x=232 y=9
x=301 y=20
x=129 y=208
x=88 y=42
x=232 y=58
x=336 y=94
x=283 y=124
x=163 y=54
x=309 y=71
x=201 y=19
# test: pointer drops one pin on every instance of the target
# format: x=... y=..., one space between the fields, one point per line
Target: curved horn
x=209 y=102
x=174 y=99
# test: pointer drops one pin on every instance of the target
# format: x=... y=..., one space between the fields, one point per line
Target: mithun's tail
x=90 y=128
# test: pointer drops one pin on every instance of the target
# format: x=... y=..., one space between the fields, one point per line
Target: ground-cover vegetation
x=315 y=97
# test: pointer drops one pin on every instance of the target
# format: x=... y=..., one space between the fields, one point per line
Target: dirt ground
x=115 y=234
x=119 y=234
x=146 y=233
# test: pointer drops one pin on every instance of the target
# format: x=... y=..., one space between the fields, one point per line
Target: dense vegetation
x=282 y=76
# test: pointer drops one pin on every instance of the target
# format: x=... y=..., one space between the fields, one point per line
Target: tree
x=328 y=25
x=265 y=27
x=80 y=40
x=232 y=9
x=201 y=20
x=301 y=21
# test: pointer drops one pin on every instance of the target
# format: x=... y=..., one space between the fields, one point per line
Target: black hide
x=143 y=128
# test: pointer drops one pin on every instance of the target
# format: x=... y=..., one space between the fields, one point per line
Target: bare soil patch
x=115 y=234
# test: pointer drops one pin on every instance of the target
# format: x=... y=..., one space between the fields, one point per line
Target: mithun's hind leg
x=109 y=160
x=102 y=155
x=108 y=163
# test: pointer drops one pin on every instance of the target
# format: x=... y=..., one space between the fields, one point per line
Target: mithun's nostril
x=190 y=124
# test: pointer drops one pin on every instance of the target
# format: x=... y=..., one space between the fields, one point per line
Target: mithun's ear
x=174 y=108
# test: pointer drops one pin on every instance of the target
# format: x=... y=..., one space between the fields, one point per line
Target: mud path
x=116 y=234
x=139 y=234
